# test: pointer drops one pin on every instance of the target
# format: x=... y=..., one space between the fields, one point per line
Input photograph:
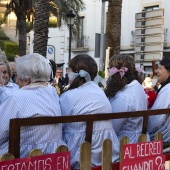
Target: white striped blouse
x=7 y=90
x=28 y=103
x=131 y=98
x=87 y=99
x=161 y=123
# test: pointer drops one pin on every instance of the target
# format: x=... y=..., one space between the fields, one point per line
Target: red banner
x=56 y=161
x=143 y=156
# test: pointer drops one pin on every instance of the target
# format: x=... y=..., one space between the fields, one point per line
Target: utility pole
x=102 y=37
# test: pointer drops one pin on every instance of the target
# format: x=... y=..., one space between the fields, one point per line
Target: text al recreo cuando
x=140 y=150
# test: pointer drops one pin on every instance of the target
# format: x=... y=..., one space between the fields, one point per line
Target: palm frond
x=60 y=9
x=58 y=3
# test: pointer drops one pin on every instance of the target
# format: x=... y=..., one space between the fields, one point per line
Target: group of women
x=36 y=97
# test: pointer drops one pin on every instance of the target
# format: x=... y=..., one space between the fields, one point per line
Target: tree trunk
x=21 y=24
x=113 y=31
x=41 y=27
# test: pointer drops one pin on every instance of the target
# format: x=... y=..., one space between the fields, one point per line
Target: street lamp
x=70 y=22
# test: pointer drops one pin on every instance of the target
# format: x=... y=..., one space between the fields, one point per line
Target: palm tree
x=113 y=31
x=22 y=10
x=42 y=11
x=41 y=26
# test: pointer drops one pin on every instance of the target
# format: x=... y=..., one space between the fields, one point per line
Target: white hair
x=33 y=66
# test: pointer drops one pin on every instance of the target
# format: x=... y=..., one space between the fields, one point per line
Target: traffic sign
x=50 y=50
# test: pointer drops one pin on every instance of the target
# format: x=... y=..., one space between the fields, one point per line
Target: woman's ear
x=27 y=81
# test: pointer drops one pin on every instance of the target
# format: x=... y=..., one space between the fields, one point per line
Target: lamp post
x=70 y=22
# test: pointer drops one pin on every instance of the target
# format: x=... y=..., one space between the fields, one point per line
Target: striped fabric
x=7 y=90
x=87 y=99
x=131 y=98
x=42 y=101
x=161 y=123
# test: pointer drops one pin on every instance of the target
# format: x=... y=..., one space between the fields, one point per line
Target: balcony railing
x=133 y=36
x=80 y=44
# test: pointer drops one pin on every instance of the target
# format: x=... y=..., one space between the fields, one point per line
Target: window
x=80 y=41
x=148 y=69
x=151 y=8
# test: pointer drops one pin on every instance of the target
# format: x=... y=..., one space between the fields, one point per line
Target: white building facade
x=91 y=25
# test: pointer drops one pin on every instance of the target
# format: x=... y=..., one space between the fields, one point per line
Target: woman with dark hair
x=161 y=123
x=125 y=94
x=84 y=97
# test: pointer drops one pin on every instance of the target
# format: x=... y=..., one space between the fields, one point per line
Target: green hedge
x=2 y=44
x=11 y=50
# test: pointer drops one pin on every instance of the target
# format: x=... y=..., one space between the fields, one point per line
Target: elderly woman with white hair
x=6 y=87
x=34 y=98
